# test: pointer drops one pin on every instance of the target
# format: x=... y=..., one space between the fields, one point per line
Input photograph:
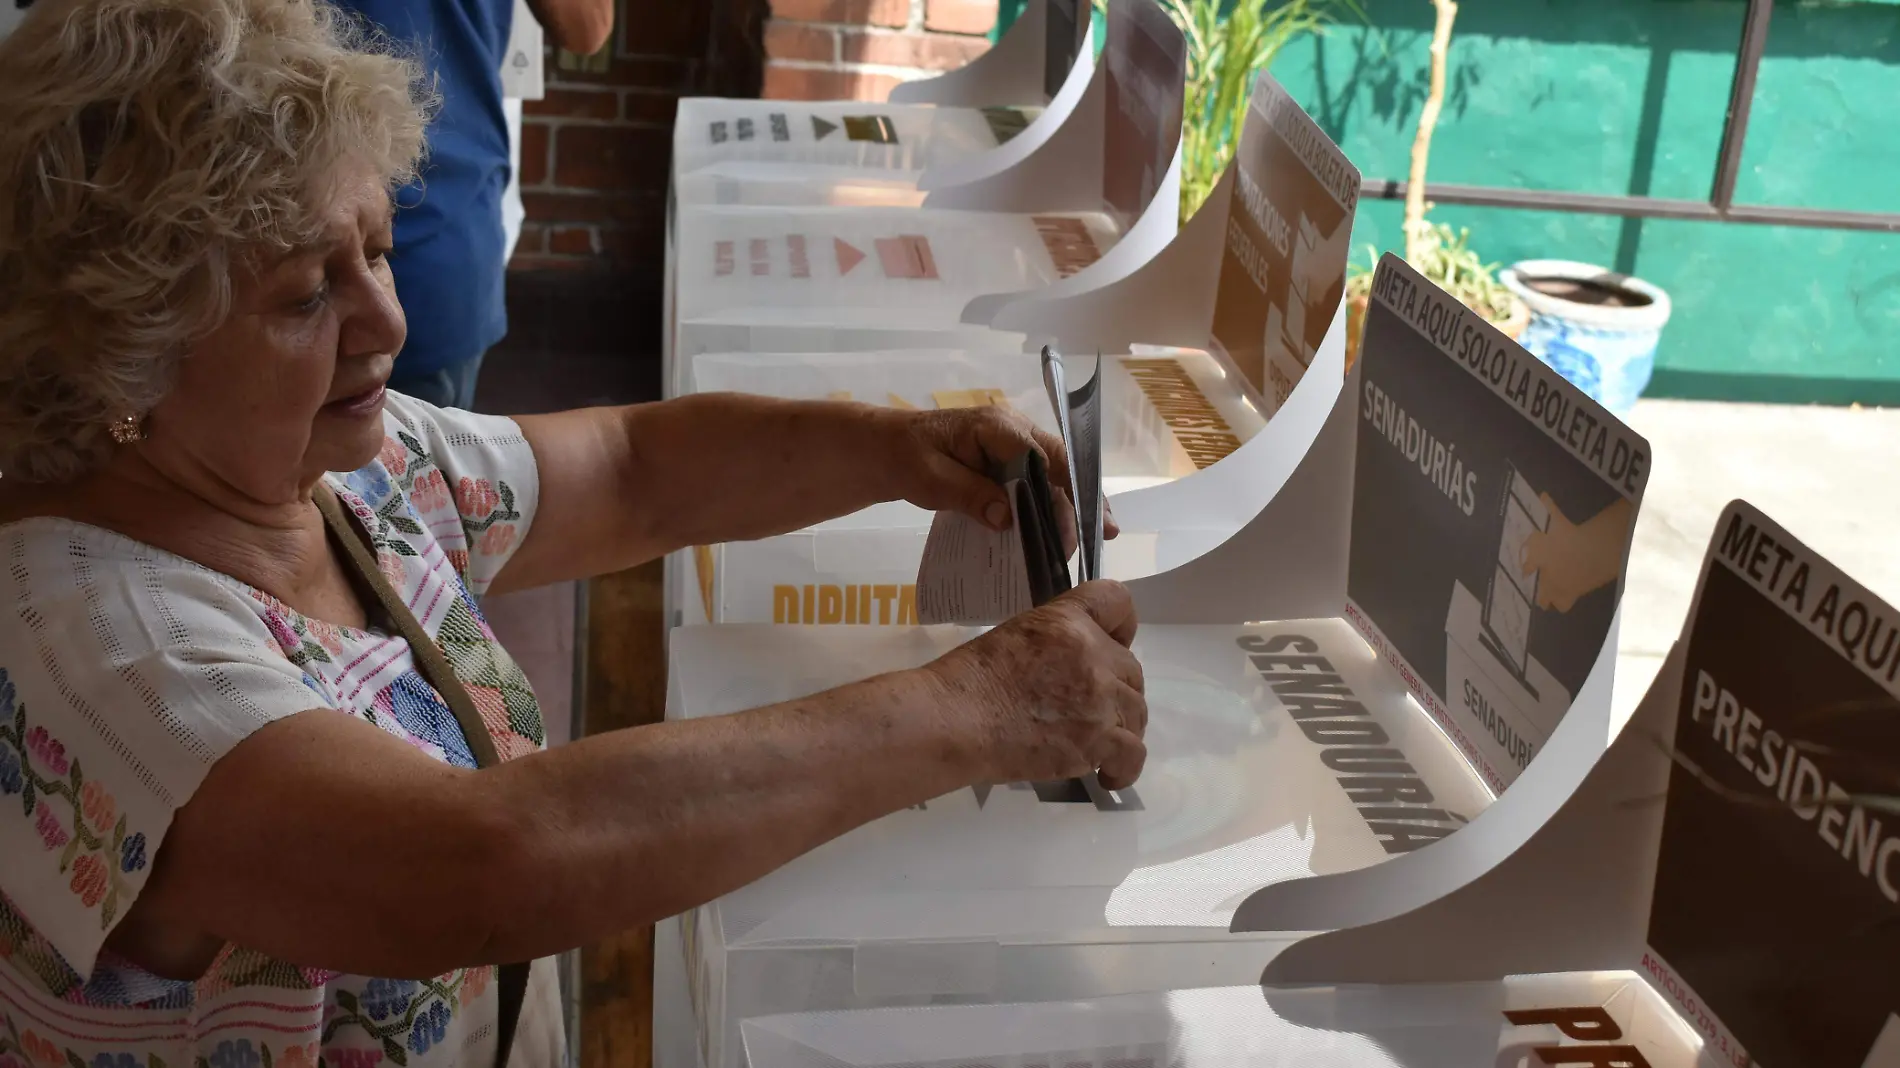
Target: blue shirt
x=448 y=244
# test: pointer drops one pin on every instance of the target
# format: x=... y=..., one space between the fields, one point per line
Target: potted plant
x=1224 y=53
x=1443 y=256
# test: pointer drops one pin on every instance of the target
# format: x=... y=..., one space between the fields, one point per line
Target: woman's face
x=291 y=385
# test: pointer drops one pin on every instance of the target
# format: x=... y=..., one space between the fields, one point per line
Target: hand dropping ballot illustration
x=1473 y=469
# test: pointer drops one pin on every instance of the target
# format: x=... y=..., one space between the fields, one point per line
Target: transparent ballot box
x=1519 y=1022
x=833 y=140
x=1065 y=890
x=908 y=271
x=1169 y=413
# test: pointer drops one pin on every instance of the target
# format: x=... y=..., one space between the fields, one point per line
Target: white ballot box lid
x=1238 y=793
x=1456 y=1025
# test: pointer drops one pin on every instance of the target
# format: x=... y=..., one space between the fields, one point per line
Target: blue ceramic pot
x=1597 y=328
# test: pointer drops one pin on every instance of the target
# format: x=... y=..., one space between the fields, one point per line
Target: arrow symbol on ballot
x=848 y=256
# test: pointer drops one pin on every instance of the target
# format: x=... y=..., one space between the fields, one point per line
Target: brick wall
x=594 y=153
x=858 y=49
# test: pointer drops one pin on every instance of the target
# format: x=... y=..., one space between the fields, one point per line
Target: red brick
x=555 y=263
x=806 y=83
x=621 y=208
x=572 y=241
x=634 y=246
x=795 y=40
x=533 y=239
x=611 y=157
x=960 y=16
x=657 y=109
x=853 y=12
x=576 y=104
x=642 y=72
x=534 y=153
x=664 y=29
x=924 y=51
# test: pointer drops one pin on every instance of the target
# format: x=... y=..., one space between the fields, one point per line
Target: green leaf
x=397 y=1055
x=401 y=548
x=73 y=1059
x=72 y=849
x=27 y=796
x=118 y=834
x=411 y=443
x=347 y=1000
x=154 y=1061
x=406 y=525
x=265 y=1047
x=78 y=779
x=507 y=496
x=109 y=909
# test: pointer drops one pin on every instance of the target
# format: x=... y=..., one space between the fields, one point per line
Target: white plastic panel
x=1427 y=1026
x=1083 y=892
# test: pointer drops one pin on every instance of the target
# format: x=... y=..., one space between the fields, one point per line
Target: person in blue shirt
x=449 y=260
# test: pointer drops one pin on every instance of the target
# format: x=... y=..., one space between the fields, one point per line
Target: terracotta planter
x=1512 y=327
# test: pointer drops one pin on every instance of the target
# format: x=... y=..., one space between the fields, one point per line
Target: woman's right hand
x=1053 y=693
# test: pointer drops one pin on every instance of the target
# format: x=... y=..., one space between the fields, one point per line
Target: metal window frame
x=1720 y=207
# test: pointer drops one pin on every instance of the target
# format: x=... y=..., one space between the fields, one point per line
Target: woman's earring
x=128 y=429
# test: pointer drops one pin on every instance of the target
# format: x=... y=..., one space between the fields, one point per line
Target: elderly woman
x=270 y=792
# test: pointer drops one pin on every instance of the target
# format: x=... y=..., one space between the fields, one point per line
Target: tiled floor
x=1823 y=473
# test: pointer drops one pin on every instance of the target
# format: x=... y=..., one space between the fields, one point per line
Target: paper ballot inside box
x=1239 y=791
x=1532 y=1019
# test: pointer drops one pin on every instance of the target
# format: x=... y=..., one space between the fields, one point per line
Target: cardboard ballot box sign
x=1173 y=408
x=1170 y=413
x=1019 y=91
x=1736 y=847
x=1521 y=1022
x=1314 y=749
x=1089 y=204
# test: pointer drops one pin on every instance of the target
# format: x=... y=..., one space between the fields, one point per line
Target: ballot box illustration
x=1060 y=210
x=789 y=151
x=1171 y=413
x=1029 y=890
x=1445 y=1025
x=1322 y=746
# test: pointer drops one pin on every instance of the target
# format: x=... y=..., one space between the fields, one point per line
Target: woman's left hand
x=940 y=460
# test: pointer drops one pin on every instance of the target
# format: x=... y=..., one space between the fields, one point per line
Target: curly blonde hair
x=147 y=148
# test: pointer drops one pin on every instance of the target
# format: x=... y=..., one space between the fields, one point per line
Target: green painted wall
x=1628 y=96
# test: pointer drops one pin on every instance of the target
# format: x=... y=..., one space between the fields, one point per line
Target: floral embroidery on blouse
x=84 y=837
x=71 y=815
